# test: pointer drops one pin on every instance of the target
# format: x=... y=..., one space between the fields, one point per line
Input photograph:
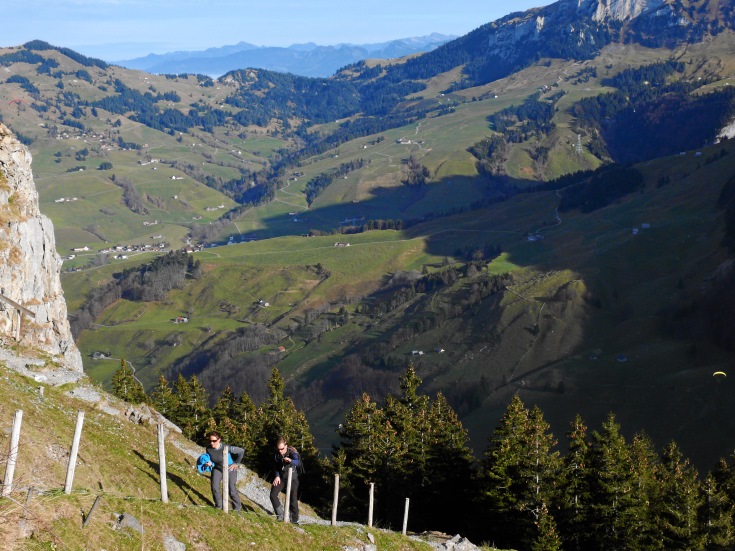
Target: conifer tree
x=574 y=492
x=126 y=387
x=362 y=441
x=244 y=417
x=615 y=505
x=679 y=501
x=408 y=416
x=163 y=398
x=225 y=405
x=451 y=468
x=548 y=538
x=646 y=469
x=191 y=413
x=519 y=472
x=222 y=415
x=244 y=409
x=278 y=415
x=371 y=452
x=724 y=476
x=716 y=514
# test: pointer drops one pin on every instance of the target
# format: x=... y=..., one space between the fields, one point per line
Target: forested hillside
x=529 y=490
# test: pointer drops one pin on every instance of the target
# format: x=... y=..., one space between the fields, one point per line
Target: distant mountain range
x=311 y=60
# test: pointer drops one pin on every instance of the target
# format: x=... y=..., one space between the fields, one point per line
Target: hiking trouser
x=217 y=491
x=294 y=505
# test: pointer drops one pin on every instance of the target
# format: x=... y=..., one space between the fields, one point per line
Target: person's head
x=281 y=445
x=214 y=439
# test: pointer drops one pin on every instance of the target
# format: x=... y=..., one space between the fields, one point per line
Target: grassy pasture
x=128 y=483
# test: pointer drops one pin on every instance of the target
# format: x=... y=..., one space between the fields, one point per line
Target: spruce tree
x=451 y=469
x=278 y=416
x=615 y=504
x=360 y=437
x=519 y=472
x=244 y=417
x=357 y=459
x=574 y=493
x=198 y=406
x=548 y=538
x=679 y=501
x=222 y=415
x=163 y=398
x=408 y=416
x=126 y=387
x=716 y=514
x=191 y=413
x=646 y=469
x=371 y=451
x=225 y=405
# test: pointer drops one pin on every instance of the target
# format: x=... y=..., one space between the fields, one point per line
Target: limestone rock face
x=29 y=264
x=621 y=10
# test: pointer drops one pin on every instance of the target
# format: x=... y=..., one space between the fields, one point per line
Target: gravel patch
x=35 y=368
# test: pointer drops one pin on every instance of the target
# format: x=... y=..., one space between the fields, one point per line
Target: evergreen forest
x=595 y=490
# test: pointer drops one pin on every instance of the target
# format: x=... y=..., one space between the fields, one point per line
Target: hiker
x=215 y=462
x=285 y=458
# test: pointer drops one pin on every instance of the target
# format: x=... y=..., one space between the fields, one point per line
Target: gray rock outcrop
x=30 y=267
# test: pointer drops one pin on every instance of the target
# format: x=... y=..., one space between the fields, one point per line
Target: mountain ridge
x=309 y=59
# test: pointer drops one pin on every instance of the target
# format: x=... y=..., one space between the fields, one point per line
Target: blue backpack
x=202 y=466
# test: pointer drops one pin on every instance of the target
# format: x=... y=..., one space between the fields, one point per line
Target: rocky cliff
x=572 y=29
x=32 y=305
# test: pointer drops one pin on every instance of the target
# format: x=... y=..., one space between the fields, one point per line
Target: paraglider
x=719 y=374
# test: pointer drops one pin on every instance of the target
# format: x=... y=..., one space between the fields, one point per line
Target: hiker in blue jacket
x=285 y=458
x=215 y=451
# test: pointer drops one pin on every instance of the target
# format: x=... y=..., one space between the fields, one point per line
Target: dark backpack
x=300 y=468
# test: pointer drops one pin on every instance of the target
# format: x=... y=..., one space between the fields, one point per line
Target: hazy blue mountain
x=308 y=59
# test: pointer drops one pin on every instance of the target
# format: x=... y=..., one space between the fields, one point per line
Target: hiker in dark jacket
x=286 y=458
x=217 y=460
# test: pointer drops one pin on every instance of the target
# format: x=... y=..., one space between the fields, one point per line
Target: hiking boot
x=279 y=513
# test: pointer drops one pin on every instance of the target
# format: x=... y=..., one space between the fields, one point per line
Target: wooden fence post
x=74 y=452
x=336 y=499
x=162 y=464
x=23 y=524
x=405 y=518
x=91 y=511
x=370 y=506
x=12 y=454
x=287 y=512
x=226 y=479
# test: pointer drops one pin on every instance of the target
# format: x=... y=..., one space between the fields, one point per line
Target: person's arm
x=277 y=466
x=295 y=459
x=237 y=454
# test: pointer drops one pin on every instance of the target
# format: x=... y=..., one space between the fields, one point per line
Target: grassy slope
x=99 y=215
x=119 y=461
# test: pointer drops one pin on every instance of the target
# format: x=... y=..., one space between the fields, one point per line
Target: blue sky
x=124 y=29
